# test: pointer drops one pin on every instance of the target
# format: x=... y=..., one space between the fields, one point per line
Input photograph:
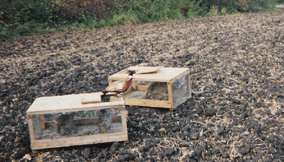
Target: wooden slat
x=134 y=83
x=90 y=102
x=143 y=87
x=170 y=92
x=41 y=121
x=123 y=119
x=114 y=98
x=163 y=75
x=48 y=105
x=147 y=102
x=147 y=71
x=91 y=98
x=31 y=127
x=79 y=140
x=189 y=85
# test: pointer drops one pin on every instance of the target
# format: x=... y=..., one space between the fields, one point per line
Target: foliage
x=255 y=5
x=262 y=5
x=23 y=16
x=213 y=11
x=20 y=18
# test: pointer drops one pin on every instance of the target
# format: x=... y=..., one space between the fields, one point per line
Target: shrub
x=242 y=5
x=223 y=11
x=213 y=11
x=262 y=5
x=18 y=17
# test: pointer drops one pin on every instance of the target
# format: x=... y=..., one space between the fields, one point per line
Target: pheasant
x=120 y=85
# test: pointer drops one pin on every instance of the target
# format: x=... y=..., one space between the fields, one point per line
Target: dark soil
x=237 y=107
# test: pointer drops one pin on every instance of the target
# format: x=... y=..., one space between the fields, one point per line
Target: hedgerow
x=21 y=18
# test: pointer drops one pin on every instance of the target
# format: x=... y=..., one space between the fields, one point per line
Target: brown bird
x=120 y=85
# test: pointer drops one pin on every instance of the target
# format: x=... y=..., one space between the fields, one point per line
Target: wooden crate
x=61 y=121
x=168 y=88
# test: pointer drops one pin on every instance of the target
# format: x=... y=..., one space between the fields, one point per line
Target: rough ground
x=236 y=65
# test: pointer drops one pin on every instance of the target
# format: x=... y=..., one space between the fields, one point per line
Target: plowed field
x=236 y=65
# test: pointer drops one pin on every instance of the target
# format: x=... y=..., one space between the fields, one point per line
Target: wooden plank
x=163 y=75
x=142 y=87
x=79 y=140
x=189 y=84
x=114 y=98
x=147 y=102
x=170 y=92
x=91 y=98
x=41 y=121
x=134 y=82
x=147 y=71
x=31 y=127
x=123 y=119
x=66 y=103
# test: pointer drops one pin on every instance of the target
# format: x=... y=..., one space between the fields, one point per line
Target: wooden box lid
x=69 y=103
x=165 y=74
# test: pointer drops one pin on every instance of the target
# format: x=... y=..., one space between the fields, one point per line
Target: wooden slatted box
x=167 y=88
x=61 y=121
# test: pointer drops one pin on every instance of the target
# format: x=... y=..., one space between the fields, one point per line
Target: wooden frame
x=168 y=75
x=72 y=104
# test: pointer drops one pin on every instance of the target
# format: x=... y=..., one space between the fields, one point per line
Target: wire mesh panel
x=78 y=123
x=149 y=90
x=181 y=90
x=60 y=121
x=164 y=88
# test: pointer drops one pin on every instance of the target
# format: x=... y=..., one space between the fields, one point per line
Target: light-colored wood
x=163 y=75
x=142 y=87
x=115 y=98
x=147 y=102
x=41 y=121
x=66 y=103
x=90 y=102
x=134 y=85
x=147 y=71
x=91 y=98
x=189 y=85
x=170 y=92
x=123 y=119
x=79 y=140
x=31 y=127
